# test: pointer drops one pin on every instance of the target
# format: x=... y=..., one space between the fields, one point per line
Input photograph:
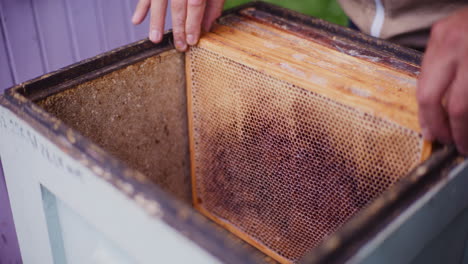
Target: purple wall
x=37 y=37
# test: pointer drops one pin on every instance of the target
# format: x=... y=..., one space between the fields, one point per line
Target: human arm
x=443 y=84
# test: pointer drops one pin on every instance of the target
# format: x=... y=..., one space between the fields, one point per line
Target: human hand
x=443 y=84
x=188 y=18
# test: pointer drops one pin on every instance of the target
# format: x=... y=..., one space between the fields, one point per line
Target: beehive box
x=101 y=149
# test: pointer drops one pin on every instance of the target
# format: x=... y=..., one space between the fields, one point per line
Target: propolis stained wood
x=294 y=130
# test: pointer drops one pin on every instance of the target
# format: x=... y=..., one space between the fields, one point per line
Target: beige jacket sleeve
x=406 y=22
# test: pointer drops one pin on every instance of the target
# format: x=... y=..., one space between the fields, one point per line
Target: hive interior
x=290 y=138
x=137 y=114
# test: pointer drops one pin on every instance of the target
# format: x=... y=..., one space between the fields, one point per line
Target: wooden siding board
x=9 y=248
x=115 y=24
x=71 y=30
x=6 y=76
x=54 y=33
x=141 y=31
x=85 y=24
x=22 y=39
x=128 y=14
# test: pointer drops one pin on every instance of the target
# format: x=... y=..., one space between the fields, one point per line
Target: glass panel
x=74 y=240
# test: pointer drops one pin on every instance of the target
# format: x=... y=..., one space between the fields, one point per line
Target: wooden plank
x=397 y=105
x=54 y=33
x=411 y=233
x=141 y=31
x=6 y=75
x=115 y=22
x=32 y=235
x=449 y=245
x=306 y=50
x=128 y=10
x=9 y=249
x=22 y=45
x=191 y=134
x=85 y=25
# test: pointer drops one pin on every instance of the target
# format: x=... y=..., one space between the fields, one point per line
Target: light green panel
x=328 y=10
